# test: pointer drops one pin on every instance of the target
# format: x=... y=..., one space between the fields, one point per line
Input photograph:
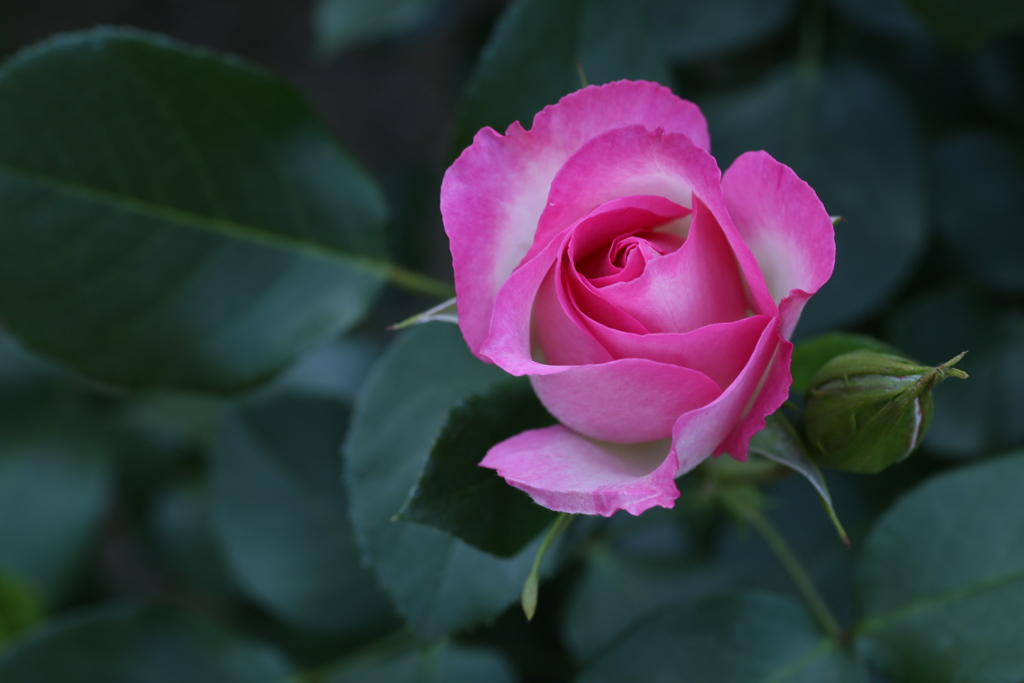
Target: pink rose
x=648 y=297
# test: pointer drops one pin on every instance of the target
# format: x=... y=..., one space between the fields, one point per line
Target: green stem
x=412 y=281
x=808 y=73
x=751 y=513
x=530 y=587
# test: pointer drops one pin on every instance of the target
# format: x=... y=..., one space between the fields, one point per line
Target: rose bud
x=868 y=410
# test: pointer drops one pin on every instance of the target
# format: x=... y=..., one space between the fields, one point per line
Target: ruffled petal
x=494 y=193
x=567 y=472
x=788 y=230
x=624 y=401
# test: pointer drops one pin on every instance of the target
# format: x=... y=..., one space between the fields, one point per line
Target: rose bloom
x=649 y=297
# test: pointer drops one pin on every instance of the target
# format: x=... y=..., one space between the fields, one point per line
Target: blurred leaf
x=21 y=608
x=455 y=495
x=174 y=217
x=982 y=414
x=978 y=204
x=810 y=355
x=781 y=443
x=731 y=639
x=138 y=645
x=279 y=510
x=341 y=24
x=969 y=24
x=182 y=525
x=438 y=583
x=441 y=664
x=891 y=17
x=55 y=481
x=853 y=139
x=694 y=30
x=941 y=580
x=535 y=52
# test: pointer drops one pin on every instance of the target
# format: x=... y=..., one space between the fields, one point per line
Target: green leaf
x=780 y=442
x=941 y=580
x=535 y=54
x=982 y=414
x=731 y=639
x=810 y=355
x=969 y=24
x=693 y=31
x=173 y=217
x=279 y=510
x=978 y=206
x=341 y=24
x=441 y=664
x=455 y=495
x=853 y=138
x=889 y=17
x=138 y=645
x=21 y=608
x=398 y=418
x=55 y=482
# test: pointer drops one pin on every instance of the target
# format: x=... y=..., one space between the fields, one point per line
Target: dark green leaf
x=730 y=639
x=279 y=509
x=981 y=414
x=138 y=645
x=341 y=24
x=810 y=355
x=692 y=30
x=891 y=17
x=535 y=53
x=440 y=664
x=969 y=24
x=55 y=480
x=941 y=581
x=455 y=495
x=438 y=583
x=173 y=217
x=853 y=138
x=978 y=205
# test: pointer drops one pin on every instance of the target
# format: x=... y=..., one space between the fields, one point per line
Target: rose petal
x=494 y=193
x=624 y=401
x=787 y=228
x=699 y=284
x=762 y=385
x=564 y=471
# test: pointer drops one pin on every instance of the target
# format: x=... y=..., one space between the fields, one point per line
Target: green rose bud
x=867 y=410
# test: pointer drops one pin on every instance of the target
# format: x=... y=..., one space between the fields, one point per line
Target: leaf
x=780 y=442
x=978 y=207
x=279 y=511
x=21 y=608
x=982 y=414
x=968 y=25
x=536 y=51
x=444 y=663
x=812 y=354
x=852 y=137
x=55 y=482
x=138 y=645
x=730 y=639
x=438 y=583
x=693 y=31
x=455 y=495
x=173 y=217
x=941 y=580
x=342 y=24
x=889 y=17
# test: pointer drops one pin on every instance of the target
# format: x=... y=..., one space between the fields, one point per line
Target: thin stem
x=412 y=281
x=752 y=514
x=531 y=586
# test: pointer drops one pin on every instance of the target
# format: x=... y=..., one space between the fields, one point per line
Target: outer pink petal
x=787 y=228
x=564 y=471
x=494 y=193
x=624 y=401
x=724 y=423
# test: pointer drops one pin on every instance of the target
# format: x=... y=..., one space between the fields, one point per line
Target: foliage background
x=159 y=535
